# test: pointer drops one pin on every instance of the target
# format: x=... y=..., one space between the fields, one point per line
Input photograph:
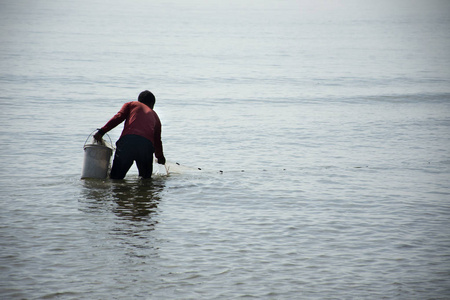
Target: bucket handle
x=96 y=140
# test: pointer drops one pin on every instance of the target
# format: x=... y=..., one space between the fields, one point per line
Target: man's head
x=147 y=98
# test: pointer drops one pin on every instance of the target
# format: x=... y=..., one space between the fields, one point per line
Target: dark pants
x=131 y=148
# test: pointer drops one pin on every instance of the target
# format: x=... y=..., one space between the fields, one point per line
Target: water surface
x=311 y=140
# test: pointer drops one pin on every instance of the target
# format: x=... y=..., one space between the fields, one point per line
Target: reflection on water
x=137 y=201
x=134 y=200
x=124 y=214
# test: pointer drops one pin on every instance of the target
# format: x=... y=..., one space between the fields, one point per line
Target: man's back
x=139 y=120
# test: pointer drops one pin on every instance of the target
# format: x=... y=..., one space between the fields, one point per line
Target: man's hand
x=99 y=135
x=162 y=160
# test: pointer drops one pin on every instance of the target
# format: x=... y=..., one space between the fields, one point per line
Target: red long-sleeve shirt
x=139 y=120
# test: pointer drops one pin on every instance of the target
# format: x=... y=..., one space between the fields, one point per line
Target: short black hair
x=147 y=98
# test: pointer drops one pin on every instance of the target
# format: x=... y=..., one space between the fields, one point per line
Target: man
x=140 y=138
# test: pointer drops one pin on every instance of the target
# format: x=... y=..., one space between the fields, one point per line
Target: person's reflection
x=136 y=201
x=134 y=204
x=133 y=200
x=136 y=210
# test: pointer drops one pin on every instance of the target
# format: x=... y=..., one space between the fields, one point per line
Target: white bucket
x=97 y=158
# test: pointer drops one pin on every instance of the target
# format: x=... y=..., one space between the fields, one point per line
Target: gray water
x=308 y=147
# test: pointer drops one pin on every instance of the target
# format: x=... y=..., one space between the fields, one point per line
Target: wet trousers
x=130 y=148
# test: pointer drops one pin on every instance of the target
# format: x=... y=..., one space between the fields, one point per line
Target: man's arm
x=116 y=120
x=158 y=143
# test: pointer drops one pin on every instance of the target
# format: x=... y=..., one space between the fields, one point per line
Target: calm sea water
x=321 y=130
